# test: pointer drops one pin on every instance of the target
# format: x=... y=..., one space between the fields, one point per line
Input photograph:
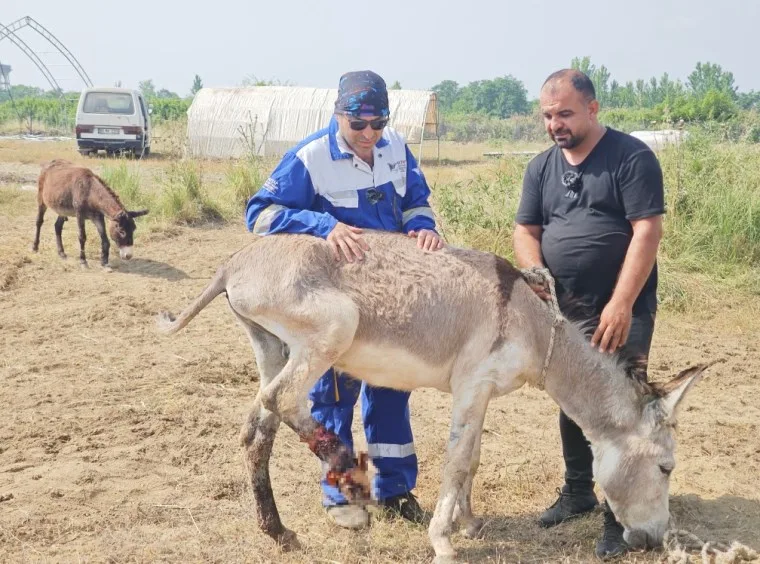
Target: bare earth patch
x=117 y=444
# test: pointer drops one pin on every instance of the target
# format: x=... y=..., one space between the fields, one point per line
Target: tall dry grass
x=712 y=224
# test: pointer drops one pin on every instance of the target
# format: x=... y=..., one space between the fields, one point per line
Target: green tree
x=396 y=85
x=709 y=76
x=749 y=100
x=166 y=94
x=197 y=85
x=600 y=77
x=446 y=92
x=501 y=97
x=584 y=65
x=30 y=110
x=147 y=88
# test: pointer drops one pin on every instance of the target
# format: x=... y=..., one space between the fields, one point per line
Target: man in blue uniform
x=355 y=174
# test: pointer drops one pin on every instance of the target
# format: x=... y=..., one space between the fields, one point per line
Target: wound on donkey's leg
x=345 y=471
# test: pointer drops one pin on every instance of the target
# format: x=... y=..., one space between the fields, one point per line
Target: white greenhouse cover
x=268 y=120
x=657 y=140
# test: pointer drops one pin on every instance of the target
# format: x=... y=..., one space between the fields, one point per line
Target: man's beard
x=569 y=142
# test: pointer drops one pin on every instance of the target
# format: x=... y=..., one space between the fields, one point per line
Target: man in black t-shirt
x=591 y=212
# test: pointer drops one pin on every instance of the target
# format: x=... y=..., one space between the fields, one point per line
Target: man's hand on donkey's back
x=427 y=240
x=346 y=240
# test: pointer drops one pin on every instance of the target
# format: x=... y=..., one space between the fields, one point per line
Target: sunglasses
x=361 y=124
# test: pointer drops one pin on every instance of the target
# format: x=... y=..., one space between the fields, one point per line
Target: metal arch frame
x=54 y=41
x=10 y=32
x=21 y=44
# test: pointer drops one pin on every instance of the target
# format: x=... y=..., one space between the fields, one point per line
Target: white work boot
x=348 y=516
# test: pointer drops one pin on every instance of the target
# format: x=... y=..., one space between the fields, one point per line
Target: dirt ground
x=120 y=445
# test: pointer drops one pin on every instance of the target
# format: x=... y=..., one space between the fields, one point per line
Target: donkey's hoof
x=445 y=559
x=474 y=529
x=63 y=256
x=288 y=541
x=107 y=268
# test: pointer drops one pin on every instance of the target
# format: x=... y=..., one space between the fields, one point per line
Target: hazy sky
x=417 y=42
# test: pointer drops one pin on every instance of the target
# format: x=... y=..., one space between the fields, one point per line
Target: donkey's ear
x=674 y=390
x=138 y=213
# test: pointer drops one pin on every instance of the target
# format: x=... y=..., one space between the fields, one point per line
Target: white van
x=113 y=120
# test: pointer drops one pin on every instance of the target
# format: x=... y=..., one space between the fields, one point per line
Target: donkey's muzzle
x=640 y=540
x=125 y=252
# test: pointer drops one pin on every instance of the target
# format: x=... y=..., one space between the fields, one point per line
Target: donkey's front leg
x=472 y=526
x=82 y=239
x=468 y=413
x=105 y=244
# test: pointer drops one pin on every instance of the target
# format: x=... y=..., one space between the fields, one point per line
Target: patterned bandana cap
x=362 y=93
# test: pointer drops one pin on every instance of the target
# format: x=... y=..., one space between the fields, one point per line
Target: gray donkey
x=461 y=321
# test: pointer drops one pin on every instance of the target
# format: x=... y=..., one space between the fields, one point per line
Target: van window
x=108 y=103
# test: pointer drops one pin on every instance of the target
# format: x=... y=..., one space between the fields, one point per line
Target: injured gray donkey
x=461 y=321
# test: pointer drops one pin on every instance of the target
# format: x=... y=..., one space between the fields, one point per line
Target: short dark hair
x=580 y=81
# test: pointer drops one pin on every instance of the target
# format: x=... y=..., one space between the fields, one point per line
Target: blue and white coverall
x=317 y=184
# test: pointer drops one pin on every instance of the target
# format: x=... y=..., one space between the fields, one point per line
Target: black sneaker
x=572 y=502
x=612 y=543
x=406 y=506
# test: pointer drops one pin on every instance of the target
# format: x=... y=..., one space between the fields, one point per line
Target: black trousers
x=575 y=447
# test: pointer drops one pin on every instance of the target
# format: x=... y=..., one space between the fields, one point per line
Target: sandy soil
x=119 y=445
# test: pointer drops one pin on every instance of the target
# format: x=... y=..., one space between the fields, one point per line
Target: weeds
x=712 y=224
x=183 y=199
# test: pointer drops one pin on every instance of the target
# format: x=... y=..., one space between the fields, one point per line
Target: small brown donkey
x=72 y=190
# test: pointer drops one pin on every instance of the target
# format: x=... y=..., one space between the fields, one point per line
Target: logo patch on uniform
x=270 y=185
x=399 y=166
x=374 y=195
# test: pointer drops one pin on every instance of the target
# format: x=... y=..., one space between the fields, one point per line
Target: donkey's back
x=431 y=311
x=66 y=188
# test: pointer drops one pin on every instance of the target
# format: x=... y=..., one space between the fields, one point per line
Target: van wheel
x=146 y=151
x=85 y=152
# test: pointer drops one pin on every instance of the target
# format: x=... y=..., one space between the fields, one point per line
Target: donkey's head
x=633 y=466
x=122 y=231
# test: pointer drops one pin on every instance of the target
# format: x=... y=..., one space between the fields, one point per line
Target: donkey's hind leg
x=259 y=430
x=468 y=414
x=320 y=332
x=58 y=234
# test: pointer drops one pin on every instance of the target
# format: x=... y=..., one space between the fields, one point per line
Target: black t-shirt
x=586 y=227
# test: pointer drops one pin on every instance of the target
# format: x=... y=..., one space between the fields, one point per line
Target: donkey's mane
x=586 y=319
x=108 y=189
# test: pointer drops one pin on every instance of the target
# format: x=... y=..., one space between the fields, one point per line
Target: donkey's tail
x=169 y=325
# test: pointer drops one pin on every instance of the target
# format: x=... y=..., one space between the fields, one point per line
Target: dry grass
x=119 y=445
